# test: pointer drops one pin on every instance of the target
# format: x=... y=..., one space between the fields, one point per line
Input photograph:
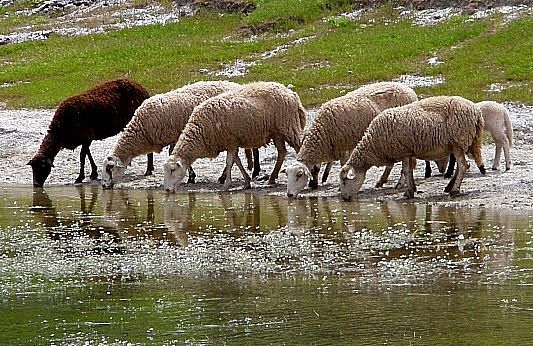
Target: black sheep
x=95 y=114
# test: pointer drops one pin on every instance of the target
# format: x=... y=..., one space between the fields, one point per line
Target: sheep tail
x=508 y=127
x=475 y=147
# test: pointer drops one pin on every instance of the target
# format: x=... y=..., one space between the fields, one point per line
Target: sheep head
x=351 y=183
x=175 y=170
x=41 y=167
x=298 y=175
x=112 y=171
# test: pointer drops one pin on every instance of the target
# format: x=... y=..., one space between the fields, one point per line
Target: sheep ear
x=50 y=162
x=30 y=162
x=119 y=164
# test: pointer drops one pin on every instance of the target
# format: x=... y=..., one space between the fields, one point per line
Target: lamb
x=245 y=118
x=338 y=126
x=158 y=122
x=429 y=129
x=498 y=124
x=95 y=114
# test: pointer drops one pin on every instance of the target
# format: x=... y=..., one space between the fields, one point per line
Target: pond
x=82 y=265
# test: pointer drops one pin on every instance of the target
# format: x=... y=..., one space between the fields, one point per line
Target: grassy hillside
x=323 y=55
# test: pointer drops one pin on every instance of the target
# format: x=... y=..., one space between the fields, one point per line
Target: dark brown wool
x=95 y=114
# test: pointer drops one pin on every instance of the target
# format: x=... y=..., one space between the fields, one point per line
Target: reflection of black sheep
x=95 y=114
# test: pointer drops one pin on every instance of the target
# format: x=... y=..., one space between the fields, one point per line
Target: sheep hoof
x=313 y=184
x=409 y=194
x=94 y=176
x=148 y=172
x=482 y=169
x=378 y=185
x=79 y=180
x=247 y=185
x=399 y=186
x=455 y=193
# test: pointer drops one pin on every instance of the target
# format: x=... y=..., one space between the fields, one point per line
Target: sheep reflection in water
x=65 y=229
x=368 y=233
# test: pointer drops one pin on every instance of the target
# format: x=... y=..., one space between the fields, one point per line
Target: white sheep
x=248 y=118
x=338 y=126
x=158 y=122
x=499 y=125
x=429 y=129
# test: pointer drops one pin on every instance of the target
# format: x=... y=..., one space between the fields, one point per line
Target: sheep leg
x=407 y=171
x=384 y=177
x=192 y=176
x=501 y=142
x=507 y=154
x=451 y=166
x=475 y=151
x=427 y=173
x=83 y=153
x=227 y=169
x=282 y=152
x=249 y=159
x=454 y=185
x=222 y=178
x=94 y=169
x=326 y=172
x=401 y=181
x=81 y=176
x=171 y=147
x=497 y=157
x=257 y=167
x=150 y=164
x=235 y=159
x=313 y=182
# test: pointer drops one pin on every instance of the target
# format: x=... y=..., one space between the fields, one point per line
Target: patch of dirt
x=512 y=189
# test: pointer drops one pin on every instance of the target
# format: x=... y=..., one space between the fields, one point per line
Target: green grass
x=337 y=56
x=501 y=55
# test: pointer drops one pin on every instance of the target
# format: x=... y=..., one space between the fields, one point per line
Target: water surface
x=80 y=265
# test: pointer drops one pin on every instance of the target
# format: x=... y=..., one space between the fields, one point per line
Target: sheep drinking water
x=429 y=129
x=95 y=114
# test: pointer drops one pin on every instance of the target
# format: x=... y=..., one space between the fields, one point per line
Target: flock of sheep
x=375 y=125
